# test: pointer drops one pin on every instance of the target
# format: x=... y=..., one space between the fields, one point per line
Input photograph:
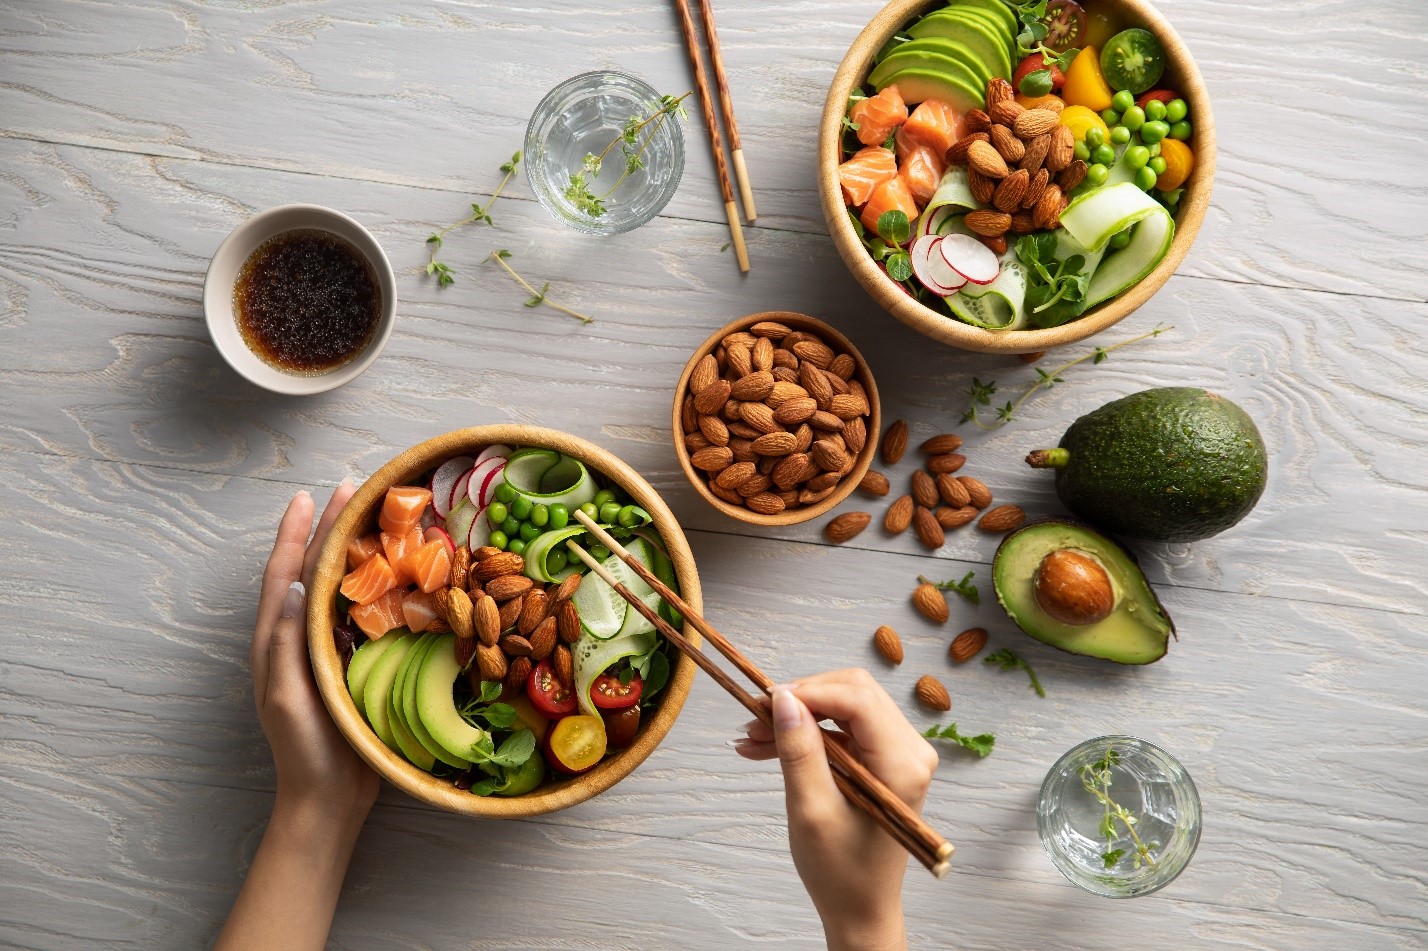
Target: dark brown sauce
x=307 y=301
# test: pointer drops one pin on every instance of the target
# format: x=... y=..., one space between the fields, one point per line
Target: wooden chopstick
x=916 y=847
x=716 y=142
x=726 y=104
x=879 y=801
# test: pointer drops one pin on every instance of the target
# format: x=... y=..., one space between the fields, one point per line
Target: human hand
x=315 y=765
x=853 y=870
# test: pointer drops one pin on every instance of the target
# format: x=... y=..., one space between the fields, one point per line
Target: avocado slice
x=436 y=706
x=379 y=687
x=997 y=8
x=360 y=668
x=396 y=718
x=919 y=85
x=982 y=34
x=406 y=702
x=937 y=54
x=1136 y=631
x=1171 y=464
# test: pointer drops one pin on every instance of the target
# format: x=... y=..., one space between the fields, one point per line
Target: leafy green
x=515 y=750
x=1008 y=659
x=894 y=227
x=899 y=265
x=578 y=192
x=981 y=744
x=1056 y=293
x=1032 y=14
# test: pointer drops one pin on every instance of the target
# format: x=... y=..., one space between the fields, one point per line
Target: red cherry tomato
x=575 y=744
x=549 y=695
x=609 y=694
x=1031 y=64
x=1065 y=25
x=1164 y=95
x=621 y=726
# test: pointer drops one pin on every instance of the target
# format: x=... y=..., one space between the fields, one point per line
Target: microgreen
x=1008 y=659
x=1032 y=15
x=981 y=744
x=1057 y=291
x=578 y=191
x=1096 y=778
x=980 y=394
x=965 y=588
x=537 y=297
x=443 y=273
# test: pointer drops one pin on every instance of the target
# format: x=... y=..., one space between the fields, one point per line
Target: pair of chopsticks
x=716 y=142
x=861 y=787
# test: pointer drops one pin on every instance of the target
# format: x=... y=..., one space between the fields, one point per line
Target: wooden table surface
x=142 y=479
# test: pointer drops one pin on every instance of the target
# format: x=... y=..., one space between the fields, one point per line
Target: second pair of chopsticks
x=716 y=141
x=855 y=781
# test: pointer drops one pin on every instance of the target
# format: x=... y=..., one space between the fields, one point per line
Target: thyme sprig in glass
x=1096 y=778
x=633 y=142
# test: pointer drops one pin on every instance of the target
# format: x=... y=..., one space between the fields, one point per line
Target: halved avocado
x=936 y=54
x=982 y=33
x=919 y=85
x=1135 y=631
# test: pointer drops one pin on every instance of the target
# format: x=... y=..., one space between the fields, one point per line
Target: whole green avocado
x=1172 y=464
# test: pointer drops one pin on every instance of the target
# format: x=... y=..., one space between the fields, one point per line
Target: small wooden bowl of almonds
x=776 y=418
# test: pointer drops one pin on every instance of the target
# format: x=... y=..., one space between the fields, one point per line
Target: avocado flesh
x=936 y=55
x=396 y=717
x=1137 y=631
x=1172 y=464
x=920 y=85
x=436 y=706
x=406 y=702
x=981 y=33
x=360 y=668
x=997 y=8
x=379 y=687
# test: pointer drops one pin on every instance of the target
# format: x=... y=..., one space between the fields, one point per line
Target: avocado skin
x=1173 y=464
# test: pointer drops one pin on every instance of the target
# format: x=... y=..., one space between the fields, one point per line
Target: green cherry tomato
x=1180 y=130
x=591 y=510
x=1176 y=109
x=1137 y=156
x=529 y=531
x=1096 y=174
x=1110 y=116
x=1145 y=178
x=599 y=552
x=496 y=512
x=521 y=508
x=628 y=517
x=517 y=546
x=1156 y=165
x=1133 y=118
x=540 y=515
x=1153 y=131
x=603 y=498
x=1103 y=155
x=1122 y=100
x=559 y=515
x=1095 y=136
x=556 y=560
x=505 y=492
x=1120 y=239
x=1120 y=135
x=511 y=526
x=498 y=540
x=609 y=512
x=1133 y=59
x=1155 y=109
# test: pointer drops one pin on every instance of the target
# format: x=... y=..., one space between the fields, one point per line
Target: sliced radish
x=488 y=485
x=478 y=478
x=432 y=534
x=458 y=490
x=459 y=524
x=923 y=252
x=443 y=480
x=493 y=450
x=970 y=258
x=480 y=533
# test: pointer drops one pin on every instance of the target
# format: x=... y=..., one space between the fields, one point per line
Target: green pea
x=1155 y=109
x=1155 y=149
x=497 y=540
x=1120 y=239
x=521 y=508
x=1110 y=116
x=556 y=560
x=1133 y=118
x=603 y=498
x=529 y=531
x=496 y=512
x=1156 y=165
x=1082 y=151
x=1095 y=136
x=559 y=515
x=628 y=517
x=591 y=510
x=1180 y=130
x=1137 y=156
x=511 y=526
x=1096 y=174
x=1120 y=135
x=609 y=512
x=1153 y=132
x=540 y=515
x=1145 y=178
x=1176 y=109
x=599 y=552
x=505 y=492
x=517 y=546
x=1122 y=100
x=1103 y=155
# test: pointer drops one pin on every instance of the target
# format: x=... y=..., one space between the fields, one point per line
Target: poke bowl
x=1011 y=177
x=462 y=651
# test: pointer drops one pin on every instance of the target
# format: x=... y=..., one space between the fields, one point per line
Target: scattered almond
x=533 y=611
x=931 y=693
x=567 y=589
x=874 y=483
x=466 y=651
x=515 y=645
x=924 y=490
x=517 y=674
x=978 y=495
x=989 y=223
x=937 y=445
x=1008 y=146
x=543 y=639
x=947 y=462
x=458 y=613
x=1012 y=190
x=509 y=613
x=846 y=526
x=1034 y=122
x=487 y=618
x=461 y=568
x=949 y=517
x=894 y=442
x=491 y=662
x=1003 y=518
x=501 y=563
x=951 y=491
x=899 y=515
x=567 y=623
x=967 y=645
x=931 y=603
x=929 y=532
x=563 y=665
x=887 y=642
x=982 y=158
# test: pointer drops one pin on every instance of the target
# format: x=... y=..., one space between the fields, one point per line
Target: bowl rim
x=865 y=457
x=227 y=262
x=331 y=677
x=892 y=298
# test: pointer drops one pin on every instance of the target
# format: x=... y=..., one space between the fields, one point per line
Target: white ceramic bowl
x=223 y=273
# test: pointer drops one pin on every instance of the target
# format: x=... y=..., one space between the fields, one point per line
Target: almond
x=1006 y=112
x=507 y=587
x=1071 y=176
x=1012 y=190
x=928 y=531
x=739 y=338
x=466 y=651
x=762 y=354
x=989 y=223
x=780 y=443
x=843 y=366
x=509 y=613
x=976 y=120
x=825 y=481
x=563 y=665
x=1052 y=104
x=760 y=417
x=931 y=693
x=1036 y=150
x=997 y=245
x=490 y=663
x=533 y=611
x=807 y=496
x=874 y=483
x=743 y=450
x=793 y=469
x=846 y=406
x=924 y=490
x=982 y=158
x=567 y=623
x=712 y=458
x=937 y=445
x=1008 y=146
x=732 y=411
x=999 y=90
x=461 y=567
x=487 y=618
x=783 y=359
x=887 y=642
x=1034 y=122
x=894 y=442
x=931 y=603
x=899 y=515
x=517 y=674
x=826 y=422
x=783 y=392
x=766 y=503
x=949 y=517
x=1062 y=149
x=770 y=328
x=543 y=639
x=1047 y=213
x=967 y=645
x=982 y=188
x=1036 y=189
x=795 y=411
x=713 y=397
x=713 y=429
x=515 y=646
x=947 y=462
x=855 y=435
x=828 y=455
x=740 y=360
x=951 y=491
x=802 y=437
x=978 y=495
x=754 y=484
x=567 y=589
x=728 y=495
x=1003 y=518
x=814 y=352
x=754 y=386
x=817 y=385
x=736 y=475
x=1021 y=223
x=501 y=563
x=693 y=442
x=705 y=375
x=846 y=526
x=687 y=414
x=459 y=613
x=484 y=552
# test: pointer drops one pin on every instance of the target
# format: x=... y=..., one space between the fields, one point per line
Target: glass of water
x=1119 y=817
x=581 y=117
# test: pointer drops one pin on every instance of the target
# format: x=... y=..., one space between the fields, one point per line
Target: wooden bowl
x=358 y=517
x=1180 y=74
x=860 y=467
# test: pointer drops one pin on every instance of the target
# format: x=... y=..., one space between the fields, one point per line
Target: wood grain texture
x=142 y=480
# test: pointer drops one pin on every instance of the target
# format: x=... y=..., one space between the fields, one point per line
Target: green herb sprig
x=442 y=271
x=965 y=588
x=537 y=297
x=1031 y=39
x=578 y=192
x=981 y=744
x=1096 y=778
x=1008 y=659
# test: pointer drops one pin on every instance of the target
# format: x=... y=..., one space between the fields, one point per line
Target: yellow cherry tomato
x=1179 y=161
x=1085 y=83
x=1080 y=119
x=1035 y=102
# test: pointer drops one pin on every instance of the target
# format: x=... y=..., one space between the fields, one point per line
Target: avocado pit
x=1073 y=588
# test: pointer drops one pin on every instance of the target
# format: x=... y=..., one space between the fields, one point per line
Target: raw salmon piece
x=419 y=610
x=369 y=581
x=402 y=508
x=933 y=124
x=397 y=548
x=891 y=194
x=865 y=171
x=429 y=566
x=878 y=115
x=381 y=616
x=360 y=549
x=922 y=172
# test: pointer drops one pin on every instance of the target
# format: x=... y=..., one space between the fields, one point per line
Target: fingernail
x=787 y=711
x=346 y=483
x=750 y=725
x=292 y=604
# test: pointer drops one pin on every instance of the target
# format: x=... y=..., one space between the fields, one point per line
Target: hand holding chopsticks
x=857 y=783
